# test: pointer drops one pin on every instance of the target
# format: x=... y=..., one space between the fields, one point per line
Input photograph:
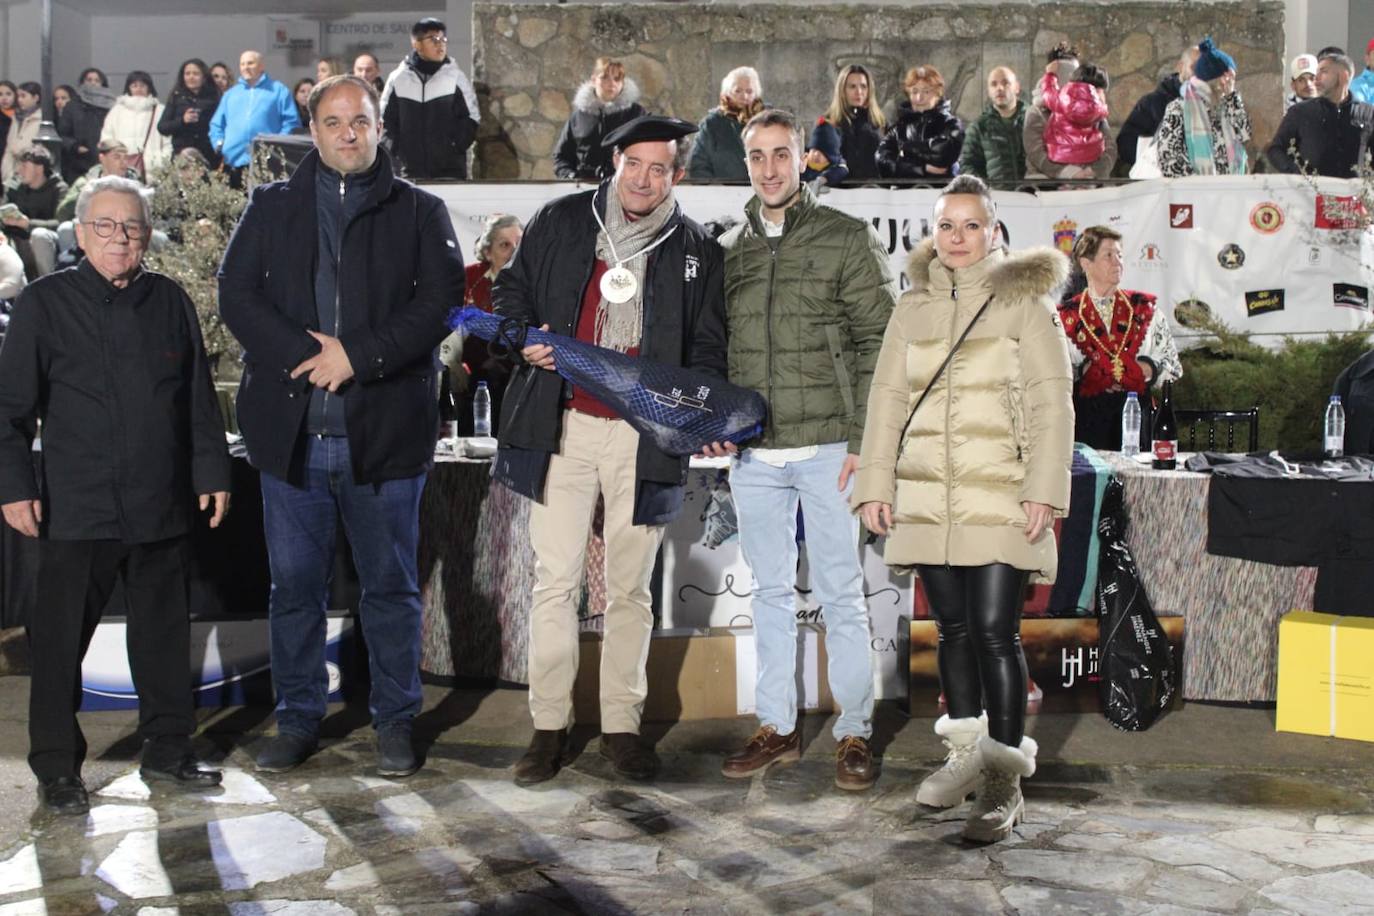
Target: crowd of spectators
x=209 y=119
x=1056 y=128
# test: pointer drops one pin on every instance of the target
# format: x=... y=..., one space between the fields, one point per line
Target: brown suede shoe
x=629 y=756
x=764 y=749
x=854 y=764
x=544 y=757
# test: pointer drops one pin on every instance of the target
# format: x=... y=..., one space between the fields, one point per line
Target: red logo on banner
x=1181 y=216
x=1336 y=212
x=1266 y=218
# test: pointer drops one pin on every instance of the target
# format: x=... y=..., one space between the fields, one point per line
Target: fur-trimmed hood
x=585 y=99
x=1033 y=272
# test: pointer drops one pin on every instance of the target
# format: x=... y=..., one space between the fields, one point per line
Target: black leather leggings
x=977 y=610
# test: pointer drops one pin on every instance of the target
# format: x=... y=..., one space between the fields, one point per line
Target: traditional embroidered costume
x=1110 y=337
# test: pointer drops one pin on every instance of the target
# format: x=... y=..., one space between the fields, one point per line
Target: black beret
x=648 y=127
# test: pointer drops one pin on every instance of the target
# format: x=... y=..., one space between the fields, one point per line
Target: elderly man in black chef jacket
x=109 y=357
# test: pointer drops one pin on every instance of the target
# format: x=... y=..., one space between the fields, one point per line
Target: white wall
x=121 y=43
x=1361 y=28
x=1328 y=23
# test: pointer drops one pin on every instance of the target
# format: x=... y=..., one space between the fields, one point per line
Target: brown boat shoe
x=764 y=749
x=854 y=764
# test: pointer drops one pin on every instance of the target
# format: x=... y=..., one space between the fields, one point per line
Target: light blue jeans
x=766 y=499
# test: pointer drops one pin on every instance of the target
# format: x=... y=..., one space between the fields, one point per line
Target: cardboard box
x=1326 y=675
x=703 y=674
x=1061 y=656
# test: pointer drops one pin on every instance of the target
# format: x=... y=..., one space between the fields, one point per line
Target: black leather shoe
x=64 y=795
x=396 y=753
x=544 y=757
x=186 y=772
x=284 y=752
x=629 y=756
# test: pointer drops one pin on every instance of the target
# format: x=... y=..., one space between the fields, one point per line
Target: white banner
x=1256 y=251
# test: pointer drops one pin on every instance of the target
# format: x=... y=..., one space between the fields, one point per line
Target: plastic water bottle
x=1130 y=426
x=1333 y=436
x=481 y=411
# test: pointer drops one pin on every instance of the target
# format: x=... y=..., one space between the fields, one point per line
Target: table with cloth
x=477 y=567
x=477 y=572
x=1231 y=607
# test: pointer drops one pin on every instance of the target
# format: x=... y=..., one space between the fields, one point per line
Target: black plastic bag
x=1135 y=661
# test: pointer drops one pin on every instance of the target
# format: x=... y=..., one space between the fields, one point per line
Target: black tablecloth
x=1321 y=514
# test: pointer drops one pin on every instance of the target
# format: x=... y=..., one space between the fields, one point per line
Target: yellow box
x=1326 y=675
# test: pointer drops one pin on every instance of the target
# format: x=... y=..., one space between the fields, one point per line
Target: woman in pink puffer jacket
x=1078 y=114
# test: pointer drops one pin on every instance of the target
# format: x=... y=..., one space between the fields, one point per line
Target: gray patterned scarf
x=619 y=325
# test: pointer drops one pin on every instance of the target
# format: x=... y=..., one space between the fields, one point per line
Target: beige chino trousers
x=594 y=456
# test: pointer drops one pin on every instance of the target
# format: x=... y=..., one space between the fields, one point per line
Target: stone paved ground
x=1209 y=812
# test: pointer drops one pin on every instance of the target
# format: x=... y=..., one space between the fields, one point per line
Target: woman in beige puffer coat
x=967 y=492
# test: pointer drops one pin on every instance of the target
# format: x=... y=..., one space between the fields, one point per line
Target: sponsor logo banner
x=1350 y=296
x=1065 y=234
x=1337 y=212
x=1266 y=218
x=1263 y=301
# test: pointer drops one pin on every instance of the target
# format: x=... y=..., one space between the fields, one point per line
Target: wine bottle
x=1164 y=437
x=448 y=409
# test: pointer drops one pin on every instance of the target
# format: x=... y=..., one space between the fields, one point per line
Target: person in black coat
x=1328 y=135
x=605 y=102
x=927 y=138
x=1148 y=110
x=109 y=357
x=622 y=267
x=190 y=105
x=855 y=112
x=81 y=123
x=337 y=283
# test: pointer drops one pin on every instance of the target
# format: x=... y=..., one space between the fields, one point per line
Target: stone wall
x=528 y=60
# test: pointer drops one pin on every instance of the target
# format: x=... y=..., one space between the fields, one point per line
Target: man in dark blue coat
x=623 y=268
x=337 y=283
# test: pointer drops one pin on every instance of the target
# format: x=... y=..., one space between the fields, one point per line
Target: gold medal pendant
x=1118 y=369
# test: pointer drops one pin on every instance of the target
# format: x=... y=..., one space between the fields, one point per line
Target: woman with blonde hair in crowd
x=603 y=103
x=719 y=149
x=855 y=113
x=326 y=67
x=927 y=138
x=964 y=467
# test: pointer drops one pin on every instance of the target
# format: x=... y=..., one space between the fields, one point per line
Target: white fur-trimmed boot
x=999 y=806
x=956 y=780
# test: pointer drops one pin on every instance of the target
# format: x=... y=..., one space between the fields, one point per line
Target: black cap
x=648 y=127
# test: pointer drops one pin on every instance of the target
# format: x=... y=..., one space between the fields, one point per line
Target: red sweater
x=581 y=400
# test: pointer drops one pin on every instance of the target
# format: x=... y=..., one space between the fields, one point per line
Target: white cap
x=1303 y=63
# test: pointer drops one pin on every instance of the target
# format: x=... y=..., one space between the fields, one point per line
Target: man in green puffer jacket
x=992 y=145
x=808 y=295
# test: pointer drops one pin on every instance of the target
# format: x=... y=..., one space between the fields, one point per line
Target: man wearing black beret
x=621 y=267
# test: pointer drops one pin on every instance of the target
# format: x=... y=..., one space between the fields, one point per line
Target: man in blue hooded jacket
x=256 y=104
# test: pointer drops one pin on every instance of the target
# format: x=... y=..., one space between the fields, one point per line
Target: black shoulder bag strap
x=939 y=372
